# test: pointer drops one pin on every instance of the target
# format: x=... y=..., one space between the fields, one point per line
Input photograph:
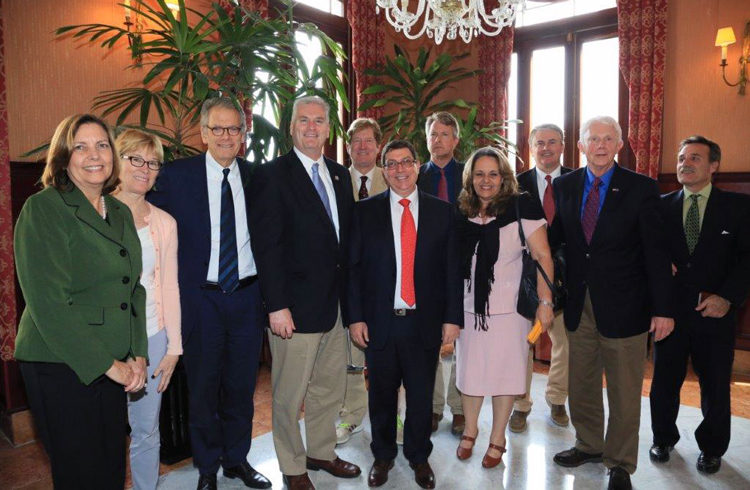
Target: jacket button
x=123 y=306
x=588 y=256
x=123 y=252
x=125 y=279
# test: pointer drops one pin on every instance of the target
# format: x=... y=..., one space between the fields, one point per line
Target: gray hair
x=603 y=120
x=540 y=127
x=311 y=99
x=224 y=103
x=444 y=118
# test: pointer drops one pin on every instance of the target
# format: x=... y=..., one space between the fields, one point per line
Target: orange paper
x=536 y=331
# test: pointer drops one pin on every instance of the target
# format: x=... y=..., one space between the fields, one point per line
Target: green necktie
x=692 y=224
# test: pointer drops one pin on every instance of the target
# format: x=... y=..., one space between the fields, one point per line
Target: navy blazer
x=437 y=271
x=527 y=181
x=626 y=266
x=720 y=263
x=182 y=190
x=301 y=264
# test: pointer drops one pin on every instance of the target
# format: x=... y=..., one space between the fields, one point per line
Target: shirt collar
x=605 y=179
x=705 y=192
x=447 y=167
x=541 y=175
x=413 y=197
x=215 y=168
x=307 y=161
x=357 y=174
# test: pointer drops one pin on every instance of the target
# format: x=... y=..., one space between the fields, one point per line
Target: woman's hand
x=138 y=366
x=120 y=373
x=545 y=315
x=165 y=369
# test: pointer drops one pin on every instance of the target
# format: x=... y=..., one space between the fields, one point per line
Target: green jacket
x=85 y=306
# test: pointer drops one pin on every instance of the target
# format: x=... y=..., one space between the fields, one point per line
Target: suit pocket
x=94 y=315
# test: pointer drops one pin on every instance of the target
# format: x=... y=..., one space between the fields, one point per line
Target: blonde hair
x=131 y=140
x=468 y=200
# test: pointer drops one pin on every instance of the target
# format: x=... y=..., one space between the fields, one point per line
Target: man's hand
x=138 y=366
x=281 y=323
x=713 y=306
x=359 y=334
x=661 y=327
x=450 y=333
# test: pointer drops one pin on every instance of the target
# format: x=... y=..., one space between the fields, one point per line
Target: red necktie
x=442 y=191
x=363 y=188
x=591 y=210
x=548 y=201
x=408 y=247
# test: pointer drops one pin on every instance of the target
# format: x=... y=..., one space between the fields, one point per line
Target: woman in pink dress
x=492 y=350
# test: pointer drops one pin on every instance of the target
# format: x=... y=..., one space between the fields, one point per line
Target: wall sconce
x=134 y=27
x=725 y=37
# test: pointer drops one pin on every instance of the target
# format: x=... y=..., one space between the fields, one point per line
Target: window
x=565 y=72
x=335 y=7
x=538 y=12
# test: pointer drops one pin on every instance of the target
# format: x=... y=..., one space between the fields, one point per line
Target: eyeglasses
x=219 y=130
x=405 y=163
x=140 y=162
x=542 y=144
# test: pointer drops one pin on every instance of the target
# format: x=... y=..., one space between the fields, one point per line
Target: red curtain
x=642 y=30
x=494 y=53
x=7 y=277
x=368 y=48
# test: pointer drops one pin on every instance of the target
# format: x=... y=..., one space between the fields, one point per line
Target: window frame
x=570 y=33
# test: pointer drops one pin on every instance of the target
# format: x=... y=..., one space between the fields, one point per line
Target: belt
x=404 y=311
x=244 y=282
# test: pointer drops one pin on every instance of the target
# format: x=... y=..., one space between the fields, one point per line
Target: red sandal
x=463 y=453
x=489 y=461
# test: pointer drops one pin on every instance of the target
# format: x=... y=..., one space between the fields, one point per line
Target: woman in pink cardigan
x=142 y=155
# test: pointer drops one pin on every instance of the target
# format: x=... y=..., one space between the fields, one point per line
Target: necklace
x=104 y=207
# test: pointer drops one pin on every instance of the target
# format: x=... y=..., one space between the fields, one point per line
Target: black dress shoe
x=423 y=475
x=207 y=482
x=248 y=475
x=708 y=464
x=573 y=457
x=659 y=453
x=619 y=479
x=379 y=472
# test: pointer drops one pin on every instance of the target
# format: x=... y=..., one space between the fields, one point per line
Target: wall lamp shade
x=725 y=37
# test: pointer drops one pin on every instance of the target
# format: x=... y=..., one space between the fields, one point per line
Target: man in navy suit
x=619 y=288
x=405 y=296
x=442 y=177
x=709 y=238
x=547 y=144
x=302 y=202
x=219 y=294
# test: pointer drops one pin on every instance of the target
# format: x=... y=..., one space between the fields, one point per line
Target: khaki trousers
x=454 y=396
x=557 y=379
x=354 y=407
x=622 y=361
x=308 y=368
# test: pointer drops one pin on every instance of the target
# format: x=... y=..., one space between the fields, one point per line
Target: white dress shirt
x=397 y=210
x=308 y=162
x=541 y=180
x=214 y=177
x=358 y=178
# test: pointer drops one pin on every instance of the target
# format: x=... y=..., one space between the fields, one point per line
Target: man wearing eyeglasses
x=546 y=146
x=404 y=300
x=220 y=297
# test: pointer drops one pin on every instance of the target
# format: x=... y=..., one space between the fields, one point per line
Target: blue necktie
x=318 y=183
x=229 y=277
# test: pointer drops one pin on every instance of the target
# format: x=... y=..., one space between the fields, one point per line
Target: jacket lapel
x=533 y=187
x=304 y=187
x=85 y=212
x=674 y=215
x=611 y=201
x=338 y=186
x=578 y=192
x=710 y=218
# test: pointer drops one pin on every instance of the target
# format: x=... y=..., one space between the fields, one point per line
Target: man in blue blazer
x=220 y=297
x=709 y=240
x=404 y=299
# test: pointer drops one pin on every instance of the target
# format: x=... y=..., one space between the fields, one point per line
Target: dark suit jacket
x=720 y=263
x=181 y=190
x=301 y=264
x=527 y=181
x=372 y=269
x=428 y=179
x=626 y=267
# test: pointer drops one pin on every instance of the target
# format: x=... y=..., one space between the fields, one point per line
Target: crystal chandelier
x=447 y=18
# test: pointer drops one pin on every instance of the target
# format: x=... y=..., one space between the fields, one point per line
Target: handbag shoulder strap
x=526 y=248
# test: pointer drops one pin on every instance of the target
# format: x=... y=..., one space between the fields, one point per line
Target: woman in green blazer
x=82 y=337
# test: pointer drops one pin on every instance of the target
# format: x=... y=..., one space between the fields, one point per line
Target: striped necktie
x=693 y=223
x=229 y=277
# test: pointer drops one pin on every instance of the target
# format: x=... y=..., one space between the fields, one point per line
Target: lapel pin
x=615 y=189
x=724 y=232
x=336 y=177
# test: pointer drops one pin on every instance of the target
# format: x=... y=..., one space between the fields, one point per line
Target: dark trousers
x=82 y=427
x=403 y=359
x=221 y=359
x=709 y=343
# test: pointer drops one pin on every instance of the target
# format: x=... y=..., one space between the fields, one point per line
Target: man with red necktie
x=619 y=284
x=546 y=146
x=404 y=300
x=442 y=177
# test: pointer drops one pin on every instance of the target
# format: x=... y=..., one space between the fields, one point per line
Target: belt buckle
x=400 y=311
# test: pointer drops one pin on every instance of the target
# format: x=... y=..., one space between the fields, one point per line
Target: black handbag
x=528 y=299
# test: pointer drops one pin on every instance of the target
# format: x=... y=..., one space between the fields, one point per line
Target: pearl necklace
x=104 y=207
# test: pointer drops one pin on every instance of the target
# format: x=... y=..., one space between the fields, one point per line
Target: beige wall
x=696 y=99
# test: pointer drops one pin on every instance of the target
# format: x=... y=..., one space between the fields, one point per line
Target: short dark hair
x=714 y=150
x=397 y=145
x=444 y=118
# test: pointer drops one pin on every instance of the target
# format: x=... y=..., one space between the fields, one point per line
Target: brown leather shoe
x=298 y=482
x=518 y=421
x=458 y=424
x=338 y=467
x=436 y=417
x=463 y=453
x=559 y=415
x=491 y=461
x=423 y=475
x=379 y=472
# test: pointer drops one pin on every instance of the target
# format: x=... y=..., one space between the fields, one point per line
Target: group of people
x=429 y=256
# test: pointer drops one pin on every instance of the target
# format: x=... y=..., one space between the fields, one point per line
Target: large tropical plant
x=237 y=53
